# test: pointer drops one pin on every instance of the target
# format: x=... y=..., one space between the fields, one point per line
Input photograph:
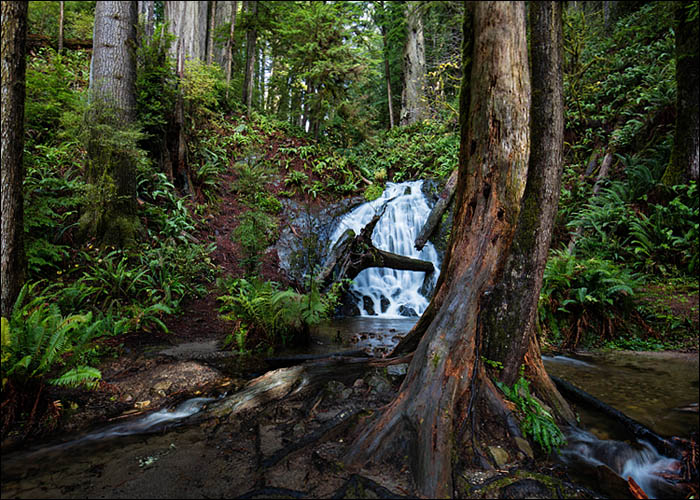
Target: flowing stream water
x=657 y=391
x=388 y=293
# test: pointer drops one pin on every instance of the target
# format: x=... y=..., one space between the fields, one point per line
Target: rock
x=270 y=439
x=346 y=393
x=408 y=311
x=359 y=383
x=299 y=429
x=384 y=303
x=526 y=488
x=524 y=446
x=335 y=387
x=368 y=304
x=499 y=455
x=142 y=404
x=379 y=384
x=397 y=370
x=162 y=386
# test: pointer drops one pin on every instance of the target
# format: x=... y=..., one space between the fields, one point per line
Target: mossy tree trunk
x=13 y=45
x=447 y=406
x=110 y=210
x=685 y=154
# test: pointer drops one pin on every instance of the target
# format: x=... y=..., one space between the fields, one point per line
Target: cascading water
x=384 y=292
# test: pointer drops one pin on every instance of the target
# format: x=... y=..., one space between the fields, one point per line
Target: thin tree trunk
x=60 y=25
x=387 y=75
x=251 y=36
x=13 y=44
x=446 y=391
x=147 y=13
x=210 y=32
x=229 y=47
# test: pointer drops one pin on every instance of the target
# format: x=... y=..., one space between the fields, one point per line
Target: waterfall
x=383 y=292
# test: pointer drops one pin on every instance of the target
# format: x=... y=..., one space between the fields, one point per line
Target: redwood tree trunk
x=13 y=45
x=387 y=74
x=446 y=389
x=229 y=46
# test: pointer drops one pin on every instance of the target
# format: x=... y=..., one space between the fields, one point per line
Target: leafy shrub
x=266 y=316
x=584 y=295
x=535 y=420
x=254 y=233
x=38 y=341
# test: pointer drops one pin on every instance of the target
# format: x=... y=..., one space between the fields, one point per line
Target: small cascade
x=641 y=462
x=383 y=292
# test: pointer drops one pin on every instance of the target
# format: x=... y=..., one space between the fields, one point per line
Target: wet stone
x=408 y=312
x=384 y=304
x=397 y=370
x=524 y=446
x=368 y=304
x=499 y=455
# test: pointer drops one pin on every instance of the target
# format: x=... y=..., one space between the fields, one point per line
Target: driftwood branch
x=435 y=215
x=353 y=254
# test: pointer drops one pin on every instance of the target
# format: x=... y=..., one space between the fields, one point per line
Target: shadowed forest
x=350 y=249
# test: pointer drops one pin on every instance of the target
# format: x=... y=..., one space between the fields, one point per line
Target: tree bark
x=60 y=25
x=446 y=390
x=188 y=22
x=146 y=11
x=685 y=155
x=112 y=218
x=229 y=46
x=387 y=74
x=510 y=314
x=210 y=31
x=251 y=36
x=412 y=105
x=13 y=45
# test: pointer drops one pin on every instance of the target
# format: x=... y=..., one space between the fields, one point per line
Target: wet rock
x=384 y=303
x=379 y=384
x=524 y=446
x=408 y=311
x=359 y=383
x=431 y=190
x=395 y=294
x=270 y=439
x=397 y=370
x=299 y=429
x=162 y=386
x=346 y=393
x=368 y=305
x=525 y=488
x=499 y=455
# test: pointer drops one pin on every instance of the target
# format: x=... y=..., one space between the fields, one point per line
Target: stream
x=175 y=453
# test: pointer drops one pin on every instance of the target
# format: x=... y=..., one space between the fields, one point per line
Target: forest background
x=313 y=102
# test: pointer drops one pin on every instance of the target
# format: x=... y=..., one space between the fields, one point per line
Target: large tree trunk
x=412 y=105
x=13 y=45
x=446 y=390
x=251 y=36
x=188 y=22
x=210 y=32
x=112 y=218
x=686 y=153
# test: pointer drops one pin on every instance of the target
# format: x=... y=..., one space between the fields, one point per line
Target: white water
x=642 y=463
x=395 y=232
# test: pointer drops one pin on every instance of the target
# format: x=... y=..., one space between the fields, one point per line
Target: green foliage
x=254 y=233
x=54 y=84
x=79 y=18
x=38 y=341
x=580 y=294
x=267 y=316
x=155 y=87
x=535 y=422
x=373 y=191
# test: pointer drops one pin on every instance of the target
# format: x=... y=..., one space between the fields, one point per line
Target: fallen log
x=435 y=215
x=296 y=380
x=639 y=430
x=353 y=254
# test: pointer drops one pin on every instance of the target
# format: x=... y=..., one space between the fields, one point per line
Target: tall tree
x=188 y=22
x=412 y=105
x=446 y=392
x=61 y=13
x=147 y=13
x=686 y=144
x=251 y=38
x=13 y=44
x=228 y=49
x=111 y=210
x=210 y=32
x=385 y=53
